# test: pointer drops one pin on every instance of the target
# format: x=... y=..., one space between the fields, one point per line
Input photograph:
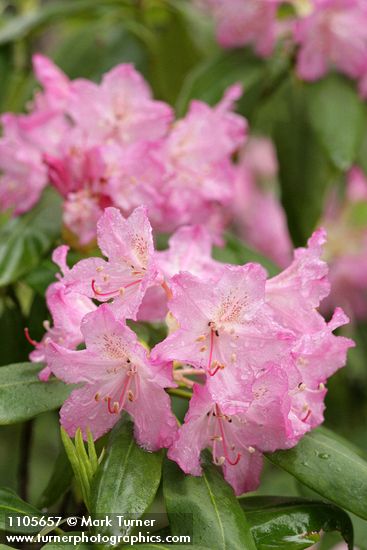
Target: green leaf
x=12 y=505
x=128 y=478
x=25 y=239
x=90 y=50
x=67 y=546
x=172 y=55
x=14 y=347
x=293 y=523
x=337 y=115
x=20 y=26
x=23 y=395
x=206 y=508
x=330 y=468
x=305 y=172
x=235 y=251
x=42 y=276
x=59 y=482
x=209 y=80
x=78 y=460
x=163 y=546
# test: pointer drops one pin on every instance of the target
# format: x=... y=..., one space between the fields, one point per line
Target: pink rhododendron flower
x=258 y=214
x=334 y=34
x=130 y=268
x=189 y=250
x=112 y=144
x=120 y=108
x=55 y=83
x=301 y=287
x=22 y=178
x=197 y=153
x=222 y=325
x=67 y=310
x=267 y=354
x=117 y=375
x=240 y=22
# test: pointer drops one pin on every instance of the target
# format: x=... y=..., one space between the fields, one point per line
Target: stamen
x=112 y=292
x=211 y=353
x=167 y=290
x=225 y=449
x=99 y=293
x=113 y=409
x=133 y=283
x=304 y=419
x=214 y=372
x=30 y=340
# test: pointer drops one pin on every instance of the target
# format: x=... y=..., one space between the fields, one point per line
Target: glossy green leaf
x=14 y=347
x=209 y=80
x=90 y=50
x=330 y=468
x=23 y=395
x=25 y=239
x=128 y=478
x=235 y=251
x=338 y=116
x=163 y=546
x=68 y=546
x=42 y=276
x=305 y=172
x=293 y=523
x=59 y=481
x=14 y=506
x=206 y=508
x=172 y=55
x=20 y=26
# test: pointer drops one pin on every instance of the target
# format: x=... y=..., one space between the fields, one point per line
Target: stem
x=179 y=393
x=25 y=448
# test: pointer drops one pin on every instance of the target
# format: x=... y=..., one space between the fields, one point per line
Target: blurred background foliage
x=319 y=131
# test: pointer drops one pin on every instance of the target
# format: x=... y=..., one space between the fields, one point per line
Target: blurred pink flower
x=240 y=22
x=334 y=34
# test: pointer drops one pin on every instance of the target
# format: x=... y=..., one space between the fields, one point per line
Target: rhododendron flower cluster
x=256 y=351
x=112 y=144
x=325 y=33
